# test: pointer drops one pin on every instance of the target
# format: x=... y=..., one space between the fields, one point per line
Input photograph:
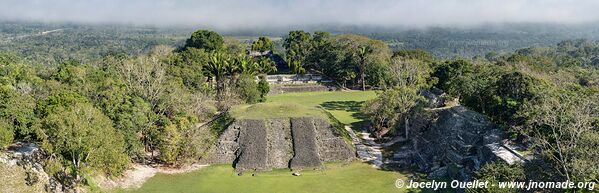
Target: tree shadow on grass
x=354 y=107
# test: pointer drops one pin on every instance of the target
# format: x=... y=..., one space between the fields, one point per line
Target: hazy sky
x=279 y=13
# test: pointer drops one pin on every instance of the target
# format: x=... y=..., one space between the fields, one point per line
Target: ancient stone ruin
x=296 y=143
x=287 y=88
x=457 y=142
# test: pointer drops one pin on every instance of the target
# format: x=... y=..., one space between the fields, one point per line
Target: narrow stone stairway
x=366 y=148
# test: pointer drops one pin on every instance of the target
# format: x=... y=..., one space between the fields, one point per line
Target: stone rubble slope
x=460 y=139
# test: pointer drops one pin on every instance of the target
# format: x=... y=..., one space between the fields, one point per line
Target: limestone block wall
x=279 y=142
x=305 y=150
x=286 y=88
x=330 y=147
x=297 y=143
x=252 y=152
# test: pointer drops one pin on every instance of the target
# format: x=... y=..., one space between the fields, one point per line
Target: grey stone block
x=252 y=153
x=304 y=144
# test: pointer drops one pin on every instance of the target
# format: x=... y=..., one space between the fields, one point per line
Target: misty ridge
x=450 y=28
x=266 y=15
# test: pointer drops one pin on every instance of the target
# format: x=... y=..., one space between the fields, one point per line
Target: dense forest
x=55 y=43
x=61 y=41
x=484 y=39
x=99 y=100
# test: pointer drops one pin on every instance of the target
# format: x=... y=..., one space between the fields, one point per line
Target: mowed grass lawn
x=352 y=178
x=344 y=105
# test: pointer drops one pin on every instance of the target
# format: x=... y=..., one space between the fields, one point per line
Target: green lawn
x=354 y=177
x=344 y=105
x=274 y=110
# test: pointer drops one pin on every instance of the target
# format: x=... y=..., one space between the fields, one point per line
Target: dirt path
x=139 y=174
x=33 y=35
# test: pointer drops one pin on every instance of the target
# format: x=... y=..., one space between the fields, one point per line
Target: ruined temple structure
x=289 y=88
x=296 y=143
x=456 y=143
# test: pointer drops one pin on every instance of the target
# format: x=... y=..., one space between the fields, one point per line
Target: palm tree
x=217 y=67
x=266 y=65
x=363 y=52
x=245 y=65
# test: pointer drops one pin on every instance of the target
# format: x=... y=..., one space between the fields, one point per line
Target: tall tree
x=263 y=44
x=85 y=137
x=144 y=76
x=298 y=45
x=266 y=65
x=18 y=111
x=409 y=72
x=563 y=127
x=234 y=46
x=188 y=65
x=392 y=107
x=360 y=53
x=204 y=39
x=363 y=52
x=450 y=73
x=243 y=64
x=216 y=68
x=324 y=55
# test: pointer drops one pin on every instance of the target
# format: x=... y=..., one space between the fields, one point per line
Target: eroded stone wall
x=304 y=144
x=297 y=143
x=224 y=151
x=331 y=147
x=280 y=89
x=252 y=152
x=279 y=143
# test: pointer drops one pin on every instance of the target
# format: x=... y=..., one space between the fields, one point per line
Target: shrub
x=500 y=172
x=263 y=88
x=6 y=134
x=248 y=89
x=169 y=142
